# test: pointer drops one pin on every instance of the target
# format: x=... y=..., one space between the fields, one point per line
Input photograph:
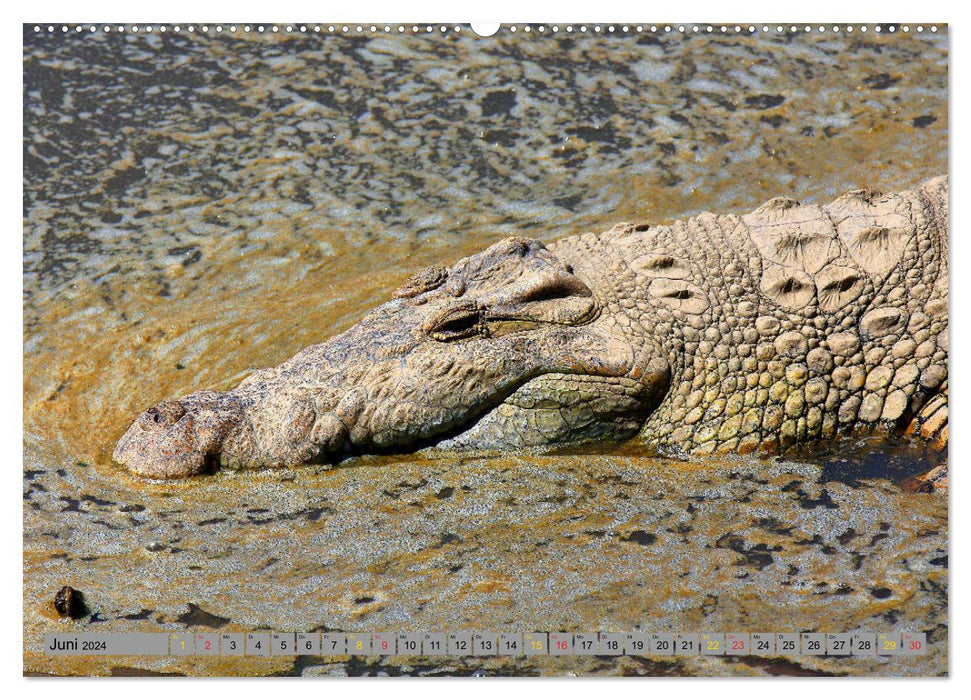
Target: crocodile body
x=719 y=333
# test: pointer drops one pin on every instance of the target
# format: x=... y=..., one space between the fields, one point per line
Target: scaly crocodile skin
x=790 y=323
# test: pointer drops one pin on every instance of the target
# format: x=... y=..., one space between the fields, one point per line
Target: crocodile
x=716 y=333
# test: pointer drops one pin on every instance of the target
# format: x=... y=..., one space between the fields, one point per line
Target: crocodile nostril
x=164 y=414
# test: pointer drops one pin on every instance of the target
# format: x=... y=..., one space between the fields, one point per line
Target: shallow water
x=197 y=207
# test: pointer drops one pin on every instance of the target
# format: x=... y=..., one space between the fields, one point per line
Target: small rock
x=70 y=603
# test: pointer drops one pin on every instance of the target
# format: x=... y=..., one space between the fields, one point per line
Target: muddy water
x=197 y=207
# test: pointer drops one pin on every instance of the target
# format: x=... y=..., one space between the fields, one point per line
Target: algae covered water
x=196 y=207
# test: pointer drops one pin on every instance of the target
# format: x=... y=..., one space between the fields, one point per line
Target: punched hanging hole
x=485 y=28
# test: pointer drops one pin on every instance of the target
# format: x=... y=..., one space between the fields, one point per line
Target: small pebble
x=70 y=603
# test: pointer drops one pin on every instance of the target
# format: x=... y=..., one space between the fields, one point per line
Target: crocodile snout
x=175 y=439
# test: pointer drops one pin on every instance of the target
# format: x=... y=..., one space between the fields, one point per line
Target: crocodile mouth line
x=348 y=449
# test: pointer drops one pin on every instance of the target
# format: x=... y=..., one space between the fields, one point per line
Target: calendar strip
x=861 y=644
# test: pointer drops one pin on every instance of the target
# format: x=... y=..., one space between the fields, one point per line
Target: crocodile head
x=508 y=348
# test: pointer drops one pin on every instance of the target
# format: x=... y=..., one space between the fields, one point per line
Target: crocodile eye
x=456 y=323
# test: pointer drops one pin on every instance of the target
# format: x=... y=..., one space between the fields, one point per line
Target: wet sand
x=198 y=207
